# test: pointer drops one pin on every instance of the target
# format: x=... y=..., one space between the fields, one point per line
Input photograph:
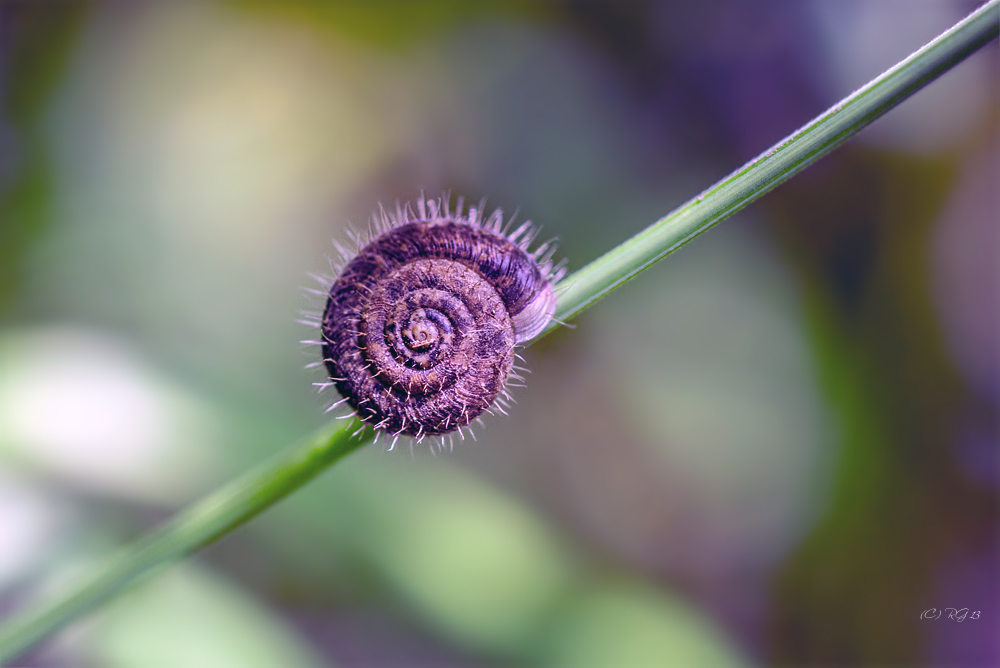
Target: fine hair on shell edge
x=435 y=211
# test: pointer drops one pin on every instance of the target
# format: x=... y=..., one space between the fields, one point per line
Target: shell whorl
x=420 y=326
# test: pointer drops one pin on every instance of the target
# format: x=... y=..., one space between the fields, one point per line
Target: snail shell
x=420 y=326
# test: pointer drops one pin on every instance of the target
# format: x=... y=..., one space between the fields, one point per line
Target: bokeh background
x=778 y=446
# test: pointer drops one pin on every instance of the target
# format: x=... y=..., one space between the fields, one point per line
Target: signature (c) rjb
x=954 y=614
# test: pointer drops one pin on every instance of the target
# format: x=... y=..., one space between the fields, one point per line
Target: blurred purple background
x=778 y=446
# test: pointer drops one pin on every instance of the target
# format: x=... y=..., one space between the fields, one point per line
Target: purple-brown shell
x=420 y=326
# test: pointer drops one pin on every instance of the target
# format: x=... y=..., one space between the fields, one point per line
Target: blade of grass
x=252 y=493
x=216 y=515
x=777 y=164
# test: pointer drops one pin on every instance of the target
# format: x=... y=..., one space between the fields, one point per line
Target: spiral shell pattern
x=420 y=326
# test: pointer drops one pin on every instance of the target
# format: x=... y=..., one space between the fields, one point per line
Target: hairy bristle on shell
x=439 y=209
x=528 y=323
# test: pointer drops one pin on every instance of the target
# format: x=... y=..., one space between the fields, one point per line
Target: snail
x=421 y=324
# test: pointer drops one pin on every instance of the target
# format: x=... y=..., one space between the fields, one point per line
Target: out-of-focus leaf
x=395 y=23
x=77 y=405
x=37 y=39
x=190 y=618
x=626 y=624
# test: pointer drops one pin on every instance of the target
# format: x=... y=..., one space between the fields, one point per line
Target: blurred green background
x=779 y=446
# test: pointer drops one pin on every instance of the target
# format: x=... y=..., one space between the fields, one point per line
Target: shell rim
x=432 y=210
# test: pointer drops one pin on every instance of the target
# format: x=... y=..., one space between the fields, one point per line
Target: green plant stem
x=216 y=515
x=777 y=164
x=242 y=499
